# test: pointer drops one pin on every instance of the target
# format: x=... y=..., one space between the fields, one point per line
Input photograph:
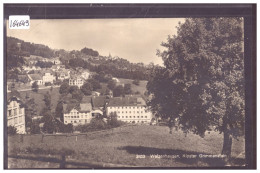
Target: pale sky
x=133 y=39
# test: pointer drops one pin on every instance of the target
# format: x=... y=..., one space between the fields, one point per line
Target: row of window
x=14 y=112
x=126 y=107
x=133 y=116
x=16 y=120
x=76 y=121
x=133 y=112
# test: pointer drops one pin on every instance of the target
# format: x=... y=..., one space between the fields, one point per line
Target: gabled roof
x=127 y=101
x=12 y=97
x=85 y=107
x=35 y=76
x=98 y=101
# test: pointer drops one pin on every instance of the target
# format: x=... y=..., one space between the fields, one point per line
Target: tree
x=111 y=84
x=59 y=110
x=87 y=88
x=77 y=94
x=95 y=84
x=202 y=87
x=35 y=128
x=118 y=91
x=64 y=88
x=127 y=89
x=47 y=100
x=11 y=130
x=35 y=86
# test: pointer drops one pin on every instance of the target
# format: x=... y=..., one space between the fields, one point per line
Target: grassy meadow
x=124 y=145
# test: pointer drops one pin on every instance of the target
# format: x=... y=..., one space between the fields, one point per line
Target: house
x=55 y=61
x=57 y=67
x=76 y=81
x=16 y=114
x=63 y=74
x=116 y=80
x=48 y=76
x=95 y=93
x=35 y=78
x=131 y=109
x=85 y=75
x=77 y=115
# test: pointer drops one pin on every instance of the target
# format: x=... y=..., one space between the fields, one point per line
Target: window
x=122 y=111
x=141 y=112
x=130 y=116
x=65 y=121
x=20 y=111
x=118 y=116
x=15 y=112
x=133 y=116
x=129 y=111
x=75 y=121
x=10 y=113
x=137 y=116
x=122 y=116
x=134 y=112
x=141 y=116
x=125 y=111
x=15 y=120
x=118 y=111
x=126 y=116
x=77 y=116
x=145 y=116
x=20 y=119
x=138 y=112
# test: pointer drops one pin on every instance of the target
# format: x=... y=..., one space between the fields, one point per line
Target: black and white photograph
x=132 y=92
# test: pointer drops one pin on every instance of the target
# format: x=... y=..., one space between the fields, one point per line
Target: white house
x=116 y=80
x=129 y=109
x=76 y=81
x=15 y=114
x=48 y=77
x=35 y=78
x=63 y=74
x=85 y=75
x=77 y=115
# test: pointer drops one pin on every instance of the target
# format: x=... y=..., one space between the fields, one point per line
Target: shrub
x=11 y=130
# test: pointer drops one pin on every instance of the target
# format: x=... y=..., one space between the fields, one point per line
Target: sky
x=133 y=39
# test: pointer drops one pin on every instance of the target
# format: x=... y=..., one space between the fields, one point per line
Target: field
x=141 y=87
x=129 y=146
x=38 y=98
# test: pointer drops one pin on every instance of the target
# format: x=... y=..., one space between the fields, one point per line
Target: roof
x=85 y=107
x=13 y=97
x=126 y=101
x=35 y=76
x=98 y=101
x=86 y=99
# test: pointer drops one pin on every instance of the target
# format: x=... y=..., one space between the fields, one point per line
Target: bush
x=11 y=130
x=48 y=84
x=35 y=128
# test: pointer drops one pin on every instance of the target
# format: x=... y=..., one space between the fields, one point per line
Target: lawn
x=141 y=87
x=38 y=98
x=123 y=146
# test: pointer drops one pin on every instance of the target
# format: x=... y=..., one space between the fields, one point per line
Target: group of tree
x=121 y=90
x=43 y=64
x=201 y=88
x=89 y=51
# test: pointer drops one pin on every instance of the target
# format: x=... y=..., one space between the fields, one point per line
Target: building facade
x=76 y=81
x=78 y=115
x=129 y=109
x=48 y=77
x=16 y=114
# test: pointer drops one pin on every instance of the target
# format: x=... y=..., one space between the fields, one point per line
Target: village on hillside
x=86 y=108
x=83 y=95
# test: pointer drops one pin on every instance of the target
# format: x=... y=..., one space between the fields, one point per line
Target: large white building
x=16 y=114
x=48 y=77
x=129 y=109
x=77 y=115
